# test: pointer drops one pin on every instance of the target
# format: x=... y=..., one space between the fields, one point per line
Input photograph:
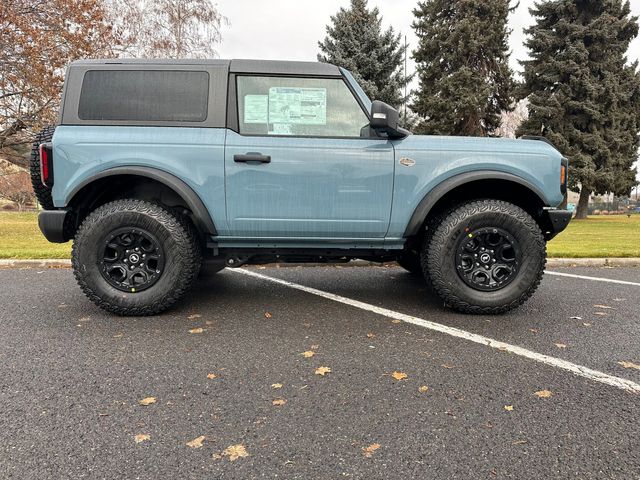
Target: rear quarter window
x=144 y=96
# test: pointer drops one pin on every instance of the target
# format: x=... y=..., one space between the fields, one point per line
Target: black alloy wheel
x=132 y=259
x=488 y=258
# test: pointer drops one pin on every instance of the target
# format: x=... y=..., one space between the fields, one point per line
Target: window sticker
x=280 y=129
x=256 y=109
x=298 y=106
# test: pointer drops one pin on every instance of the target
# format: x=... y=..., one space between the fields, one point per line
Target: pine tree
x=355 y=41
x=583 y=95
x=462 y=59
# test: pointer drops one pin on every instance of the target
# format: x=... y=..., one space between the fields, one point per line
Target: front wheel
x=132 y=257
x=485 y=257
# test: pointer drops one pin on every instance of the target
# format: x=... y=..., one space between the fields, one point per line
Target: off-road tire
x=438 y=257
x=179 y=241
x=43 y=193
x=411 y=260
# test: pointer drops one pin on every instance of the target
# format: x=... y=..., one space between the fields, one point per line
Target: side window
x=314 y=107
x=144 y=96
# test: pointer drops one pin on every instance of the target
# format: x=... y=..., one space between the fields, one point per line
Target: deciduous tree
x=37 y=39
x=166 y=28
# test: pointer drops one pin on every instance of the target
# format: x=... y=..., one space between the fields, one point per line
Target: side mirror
x=384 y=119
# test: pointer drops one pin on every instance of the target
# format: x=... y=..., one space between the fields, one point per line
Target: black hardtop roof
x=282 y=67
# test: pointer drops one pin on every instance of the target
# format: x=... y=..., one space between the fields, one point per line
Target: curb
x=551 y=262
x=45 y=263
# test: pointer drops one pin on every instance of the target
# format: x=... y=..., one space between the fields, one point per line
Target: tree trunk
x=583 y=203
x=564 y=203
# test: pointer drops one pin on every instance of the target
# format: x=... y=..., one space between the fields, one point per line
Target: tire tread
x=187 y=253
x=432 y=259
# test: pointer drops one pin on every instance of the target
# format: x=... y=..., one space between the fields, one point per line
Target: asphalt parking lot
x=414 y=390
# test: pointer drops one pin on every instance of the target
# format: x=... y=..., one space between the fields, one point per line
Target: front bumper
x=54 y=225
x=555 y=221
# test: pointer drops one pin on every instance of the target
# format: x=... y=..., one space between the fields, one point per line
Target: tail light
x=46 y=164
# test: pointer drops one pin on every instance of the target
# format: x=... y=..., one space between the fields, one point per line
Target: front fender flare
x=431 y=198
x=201 y=215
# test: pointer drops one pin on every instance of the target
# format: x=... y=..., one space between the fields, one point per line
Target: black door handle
x=252 y=157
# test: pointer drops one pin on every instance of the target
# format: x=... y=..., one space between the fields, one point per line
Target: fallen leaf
x=322 y=371
x=371 y=335
x=520 y=442
x=267 y=315
x=446 y=365
x=118 y=335
x=576 y=318
x=235 y=452
x=395 y=320
x=369 y=451
x=279 y=402
x=211 y=376
x=196 y=442
x=196 y=330
x=543 y=394
x=586 y=324
x=423 y=389
x=602 y=314
x=141 y=437
x=399 y=375
x=629 y=365
x=561 y=345
x=276 y=385
x=533 y=330
x=308 y=354
x=147 y=401
x=194 y=316
x=508 y=408
x=605 y=307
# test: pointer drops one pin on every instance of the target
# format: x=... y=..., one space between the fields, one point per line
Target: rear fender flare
x=201 y=216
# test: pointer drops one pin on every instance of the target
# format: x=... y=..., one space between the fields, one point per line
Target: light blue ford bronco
x=157 y=167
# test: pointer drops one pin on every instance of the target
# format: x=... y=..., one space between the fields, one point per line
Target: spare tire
x=43 y=193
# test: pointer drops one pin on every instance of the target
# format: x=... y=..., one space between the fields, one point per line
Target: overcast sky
x=291 y=29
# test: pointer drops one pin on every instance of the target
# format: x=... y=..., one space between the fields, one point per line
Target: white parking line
x=579 y=370
x=595 y=279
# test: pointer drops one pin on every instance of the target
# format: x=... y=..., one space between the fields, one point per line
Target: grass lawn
x=614 y=236
x=601 y=236
x=20 y=237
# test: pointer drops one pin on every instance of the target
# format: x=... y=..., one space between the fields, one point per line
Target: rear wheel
x=486 y=256
x=132 y=257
